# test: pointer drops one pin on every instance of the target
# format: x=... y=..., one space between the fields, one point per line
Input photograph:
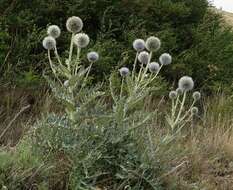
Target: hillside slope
x=228 y=16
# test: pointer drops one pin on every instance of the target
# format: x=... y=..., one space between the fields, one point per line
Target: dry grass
x=228 y=16
x=207 y=158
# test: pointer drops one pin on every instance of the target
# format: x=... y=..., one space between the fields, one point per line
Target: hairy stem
x=52 y=67
x=71 y=51
x=147 y=66
x=122 y=85
x=181 y=109
x=134 y=65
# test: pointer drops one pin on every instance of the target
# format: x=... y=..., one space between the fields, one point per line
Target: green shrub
x=182 y=25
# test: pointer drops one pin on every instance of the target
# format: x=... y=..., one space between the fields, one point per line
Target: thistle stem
x=57 y=56
x=173 y=109
x=186 y=114
x=52 y=67
x=85 y=79
x=122 y=85
x=71 y=51
x=151 y=79
x=147 y=66
x=134 y=65
x=181 y=108
x=77 y=60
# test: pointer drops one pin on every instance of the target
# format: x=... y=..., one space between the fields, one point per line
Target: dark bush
x=193 y=34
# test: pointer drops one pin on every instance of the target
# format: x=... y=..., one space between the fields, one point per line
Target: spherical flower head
x=74 y=24
x=124 y=71
x=139 y=45
x=54 y=31
x=194 y=110
x=143 y=57
x=93 y=56
x=196 y=95
x=165 y=59
x=49 y=43
x=173 y=95
x=154 y=67
x=153 y=43
x=186 y=83
x=66 y=83
x=179 y=91
x=81 y=40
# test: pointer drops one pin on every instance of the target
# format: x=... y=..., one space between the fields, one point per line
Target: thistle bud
x=66 y=83
x=173 y=95
x=154 y=67
x=93 y=56
x=139 y=45
x=186 y=83
x=124 y=71
x=153 y=44
x=74 y=24
x=81 y=40
x=196 y=95
x=165 y=59
x=54 y=31
x=194 y=110
x=179 y=91
x=143 y=57
x=49 y=43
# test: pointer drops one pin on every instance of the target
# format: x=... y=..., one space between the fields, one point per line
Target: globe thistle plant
x=124 y=72
x=71 y=74
x=49 y=43
x=81 y=40
x=74 y=24
x=139 y=45
x=165 y=59
x=179 y=116
x=54 y=31
x=93 y=56
x=153 y=44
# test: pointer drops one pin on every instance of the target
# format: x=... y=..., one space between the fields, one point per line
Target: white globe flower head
x=74 y=24
x=186 y=83
x=49 y=43
x=143 y=57
x=54 y=31
x=165 y=59
x=93 y=56
x=194 y=110
x=81 y=40
x=179 y=91
x=139 y=45
x=173 y=95
x=66 y=83
x=153 y=43
x=196 y=95
x=154 y=67
x=124 y=71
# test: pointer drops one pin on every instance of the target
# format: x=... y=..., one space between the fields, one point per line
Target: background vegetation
x=194 y=34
